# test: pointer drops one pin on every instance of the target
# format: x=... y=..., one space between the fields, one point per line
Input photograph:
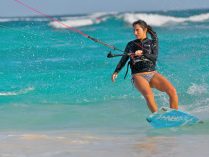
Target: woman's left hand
x=114 y=76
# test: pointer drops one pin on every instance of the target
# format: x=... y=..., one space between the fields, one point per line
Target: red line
x=52 y=18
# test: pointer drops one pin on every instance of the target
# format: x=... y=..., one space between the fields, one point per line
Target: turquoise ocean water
x=55 y=86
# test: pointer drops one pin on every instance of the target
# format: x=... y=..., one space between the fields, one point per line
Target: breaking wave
x=80 y=21
x=154 y=19
x=151 y=18
x=161 y=20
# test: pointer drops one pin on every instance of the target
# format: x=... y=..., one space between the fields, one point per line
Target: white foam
x=199 y=18
x=196 y=89
x=161 y=20
x=200 y=109
x=14 y=19
x=4 y=20
x=102 y=14
x=19 y=92
x=151 y=19
x=74 y=23
x=80 y=21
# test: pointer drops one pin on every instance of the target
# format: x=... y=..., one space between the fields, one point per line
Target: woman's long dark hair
x=143 y=24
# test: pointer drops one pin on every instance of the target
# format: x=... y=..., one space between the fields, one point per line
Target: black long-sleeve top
x=144 y=63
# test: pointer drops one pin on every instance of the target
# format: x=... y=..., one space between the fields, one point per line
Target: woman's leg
x=161 y=83
x=143 y=86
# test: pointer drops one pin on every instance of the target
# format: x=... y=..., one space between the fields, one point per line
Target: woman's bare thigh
x=160 y=83
x=142 y=85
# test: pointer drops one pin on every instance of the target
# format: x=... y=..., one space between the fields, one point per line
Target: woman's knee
x=171 y=91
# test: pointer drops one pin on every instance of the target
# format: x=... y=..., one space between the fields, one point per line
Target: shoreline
x=67 y=144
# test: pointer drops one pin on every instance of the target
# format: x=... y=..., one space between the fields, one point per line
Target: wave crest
x=80 y=21
x=154 y=19
x=23 y=19
x=161 y=20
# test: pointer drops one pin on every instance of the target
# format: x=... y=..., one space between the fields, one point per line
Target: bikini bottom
x=147 y=76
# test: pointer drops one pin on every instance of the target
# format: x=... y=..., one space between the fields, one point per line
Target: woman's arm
x=123 y=60
x=121 y=63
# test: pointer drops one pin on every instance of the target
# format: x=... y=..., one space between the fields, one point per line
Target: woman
x=143 y=53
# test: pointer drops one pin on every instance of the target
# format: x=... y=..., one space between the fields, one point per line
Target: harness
x=133 y=60
x=142 y=59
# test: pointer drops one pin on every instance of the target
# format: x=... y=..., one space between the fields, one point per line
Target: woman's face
x=139 y=32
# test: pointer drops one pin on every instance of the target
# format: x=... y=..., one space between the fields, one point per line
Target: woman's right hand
x=139 y=53
x=114 y=76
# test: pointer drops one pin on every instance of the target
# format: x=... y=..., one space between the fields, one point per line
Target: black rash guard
x=144 y=63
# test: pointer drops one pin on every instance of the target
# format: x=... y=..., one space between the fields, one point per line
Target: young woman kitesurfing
x=143 y=53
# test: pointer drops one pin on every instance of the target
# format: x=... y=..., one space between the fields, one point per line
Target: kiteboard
x=167 y=117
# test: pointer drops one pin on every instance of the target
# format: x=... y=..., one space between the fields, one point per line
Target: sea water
x=57 y=98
